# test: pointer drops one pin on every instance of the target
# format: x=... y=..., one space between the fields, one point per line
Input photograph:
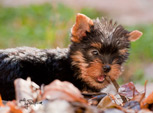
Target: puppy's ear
x=134 y=35
x=79 y=29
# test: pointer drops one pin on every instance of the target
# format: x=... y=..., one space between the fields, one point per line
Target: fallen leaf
x=116 y=85
x=26 y=89
x=1 y=102
x=106 y=103
x=5 y=109
x=113 y=110
x=147 y=101
x=14 y=108
x=132 y=105
x=94 y=100
x=63 y=90
x=139 y=97
x=128 y=90
x=115 y=100
x=145 y=111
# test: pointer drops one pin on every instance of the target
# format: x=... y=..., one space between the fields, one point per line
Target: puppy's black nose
x=106 y=68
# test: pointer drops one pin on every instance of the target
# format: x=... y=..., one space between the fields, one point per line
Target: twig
x=117 y=87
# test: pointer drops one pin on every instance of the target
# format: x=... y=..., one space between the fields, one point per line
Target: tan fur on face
x=89 y=72
x=79 y=60
x=97 y=45
x=115 y=71
x=123 y=51
x=92 y=73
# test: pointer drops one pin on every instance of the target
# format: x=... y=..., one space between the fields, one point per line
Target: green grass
x=48 y=26
x=34 y=25
x=142 y=49
x=42 y=26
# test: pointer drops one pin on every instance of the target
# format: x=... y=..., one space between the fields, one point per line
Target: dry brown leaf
x=63 y=90
x=115 y=100
x=139 y=97
x=106 y=103
x=5 y=109
x=132 y=105
x=94 y=98
x=116 y=85
x=26 y=89
x=1 y=102
x=113 y=110
x=128 y=90
x=14 y=108
x=147 y=101
x=145 y=111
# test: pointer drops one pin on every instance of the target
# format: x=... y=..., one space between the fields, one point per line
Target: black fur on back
x=42 y=66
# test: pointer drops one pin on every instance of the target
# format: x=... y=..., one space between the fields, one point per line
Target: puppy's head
x=99 y=48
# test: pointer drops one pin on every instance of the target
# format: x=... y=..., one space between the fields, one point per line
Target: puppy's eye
x=95 y=52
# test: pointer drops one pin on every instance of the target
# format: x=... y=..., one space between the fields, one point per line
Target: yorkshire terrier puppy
x=98 y=49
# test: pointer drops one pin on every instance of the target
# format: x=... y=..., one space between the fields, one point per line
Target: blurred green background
x=48 y=26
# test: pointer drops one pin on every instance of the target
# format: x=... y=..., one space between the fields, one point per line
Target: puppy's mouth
x=101 y=78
